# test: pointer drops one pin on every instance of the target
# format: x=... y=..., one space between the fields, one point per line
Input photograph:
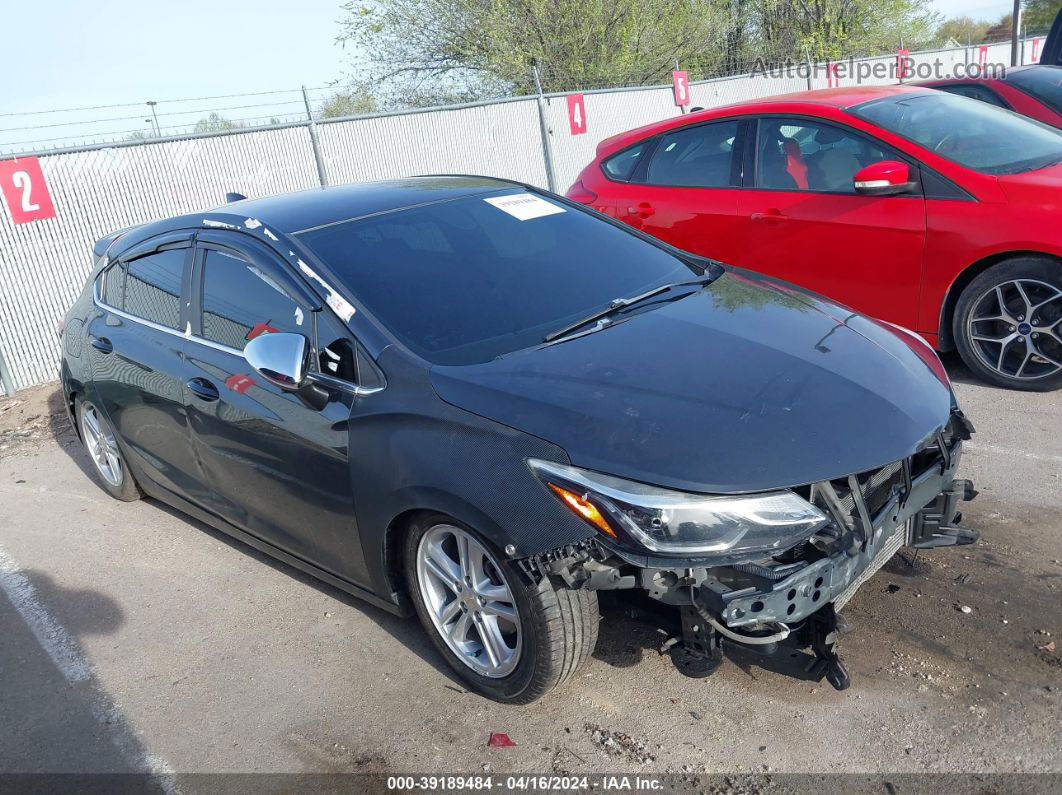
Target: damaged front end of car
x=763 y=571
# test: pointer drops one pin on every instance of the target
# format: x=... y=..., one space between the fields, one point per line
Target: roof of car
x=829 y=97
x=293 y=212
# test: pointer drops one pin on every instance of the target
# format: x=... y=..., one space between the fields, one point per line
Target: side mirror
x=887 y=178
x=279 y=358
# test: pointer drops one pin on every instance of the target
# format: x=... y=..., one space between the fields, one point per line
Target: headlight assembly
x=675 y=522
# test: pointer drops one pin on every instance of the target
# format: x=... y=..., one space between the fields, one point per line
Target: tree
x=1039 y=14
x=215 y=123
x=415 y=52
x=475 y=48
x=962 y=30
x=347 y=103
x=1002 y=30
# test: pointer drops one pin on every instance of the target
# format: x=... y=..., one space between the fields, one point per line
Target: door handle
x=203 y=389
x=771 y=216
x=102 y=344
x=643 y=210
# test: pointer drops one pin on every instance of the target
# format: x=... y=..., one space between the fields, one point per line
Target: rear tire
x=554 y=628
x=1008 y=324
x=105 y=453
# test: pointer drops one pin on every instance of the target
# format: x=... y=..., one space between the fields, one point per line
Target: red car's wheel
x=1008 y=324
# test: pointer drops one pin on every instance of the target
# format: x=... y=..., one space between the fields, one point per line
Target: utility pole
x=1015 y=39
x=322 y=175
x=547 y=148
x=151 y=104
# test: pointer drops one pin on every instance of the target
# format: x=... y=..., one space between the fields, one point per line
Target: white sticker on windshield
x=524 y=206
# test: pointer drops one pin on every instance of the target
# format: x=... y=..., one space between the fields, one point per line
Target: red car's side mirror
x=887 y=178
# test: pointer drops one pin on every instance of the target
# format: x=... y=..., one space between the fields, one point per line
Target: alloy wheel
x=469 y=601
x=102 y=446
x=1015 y=328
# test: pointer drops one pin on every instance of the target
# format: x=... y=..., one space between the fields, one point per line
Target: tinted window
x=464 y=280
x=622 y=166
x=1043 y=82
x=972 y=134
x=241 y=300
x=794 y=154
x=698 y=157
x=114 y=286
x=335 y=355
x=975 y=92
x=153 y=287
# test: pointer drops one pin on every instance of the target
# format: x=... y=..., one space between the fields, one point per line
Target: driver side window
x=799 y=155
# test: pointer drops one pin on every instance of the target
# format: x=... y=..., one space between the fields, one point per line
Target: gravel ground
x=134 y=638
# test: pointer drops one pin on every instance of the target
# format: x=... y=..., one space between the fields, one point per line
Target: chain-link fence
x=97 y=190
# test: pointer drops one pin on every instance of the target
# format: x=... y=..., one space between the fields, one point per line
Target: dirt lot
x=135 y=638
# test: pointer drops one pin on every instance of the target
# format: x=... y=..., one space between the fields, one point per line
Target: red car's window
x=696 y=157
x=796 y=154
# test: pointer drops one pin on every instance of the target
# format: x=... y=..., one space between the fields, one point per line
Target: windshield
x=466 y=280
x=971 y=133
x=1042 y=82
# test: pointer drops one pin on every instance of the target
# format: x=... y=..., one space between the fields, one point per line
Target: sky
x=73 y=53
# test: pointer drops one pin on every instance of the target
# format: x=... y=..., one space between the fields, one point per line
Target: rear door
x=273 y=463
x=137 y=354
x=810 y=227
x=685 y=190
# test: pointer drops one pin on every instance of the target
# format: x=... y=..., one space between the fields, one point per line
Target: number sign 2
x=25 y=190
x=576 y=114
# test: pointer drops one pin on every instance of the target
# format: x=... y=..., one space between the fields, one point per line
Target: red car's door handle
x=643 y=210
x=771 y=216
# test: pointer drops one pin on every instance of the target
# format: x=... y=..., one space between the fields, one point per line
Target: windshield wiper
x=620 y=304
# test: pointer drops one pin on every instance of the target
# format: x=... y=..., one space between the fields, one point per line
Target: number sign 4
x=25 y=191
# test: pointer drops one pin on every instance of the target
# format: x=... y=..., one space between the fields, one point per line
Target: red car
x=928 y=210
x=1033 y=91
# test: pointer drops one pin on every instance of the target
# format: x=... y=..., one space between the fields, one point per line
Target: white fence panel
x=43 y=264
x=500 y=140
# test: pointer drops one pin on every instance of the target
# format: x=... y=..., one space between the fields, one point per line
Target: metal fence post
x=811 y=69
x=5 y=376
x=547 y=149
x=322 y=175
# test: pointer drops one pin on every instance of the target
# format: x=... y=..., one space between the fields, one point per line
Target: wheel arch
x=945 y=333
x=421 y=502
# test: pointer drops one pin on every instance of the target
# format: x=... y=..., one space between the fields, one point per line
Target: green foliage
x=347 y=103
x=962 y=30
x=1039 y=14
x=215 y=123
x=423 y=52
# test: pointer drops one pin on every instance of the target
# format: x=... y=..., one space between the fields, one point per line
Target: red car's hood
x=1042 y=187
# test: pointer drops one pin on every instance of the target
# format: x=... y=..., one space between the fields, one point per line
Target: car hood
x=743 y=386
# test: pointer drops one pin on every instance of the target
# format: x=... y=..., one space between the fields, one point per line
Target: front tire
x=509 y=638
x=101 y=444
x=1008 y=324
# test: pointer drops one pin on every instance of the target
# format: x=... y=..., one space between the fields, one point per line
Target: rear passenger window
x=976 y=92
x=622 y=166
x=242 y=300
x=114 y=286
x=153 y=287
x=696 y=157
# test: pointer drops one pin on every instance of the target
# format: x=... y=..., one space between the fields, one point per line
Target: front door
x=274 y=463
x=807 y=225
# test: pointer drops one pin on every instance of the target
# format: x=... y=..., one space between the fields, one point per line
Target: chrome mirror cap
x=279 y=358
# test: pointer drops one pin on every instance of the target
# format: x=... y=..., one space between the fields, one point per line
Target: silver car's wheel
x=468 y=600
x=102 y=446
x=1015 y=328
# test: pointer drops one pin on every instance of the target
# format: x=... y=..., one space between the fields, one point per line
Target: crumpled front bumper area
x=792 y=598
x=921 y=514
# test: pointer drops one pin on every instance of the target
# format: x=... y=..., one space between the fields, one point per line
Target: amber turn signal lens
x=586 y=509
